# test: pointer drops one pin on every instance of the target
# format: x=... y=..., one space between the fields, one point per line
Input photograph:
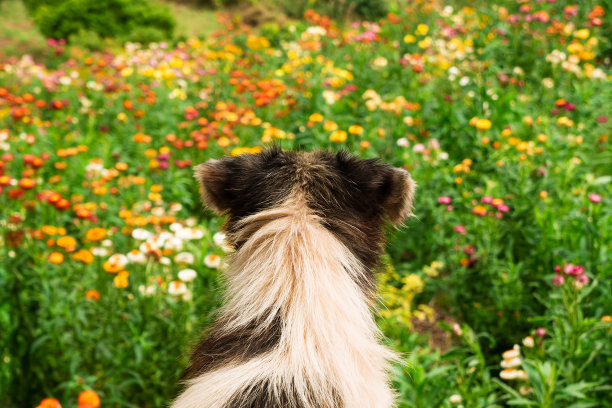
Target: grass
x=18 y=36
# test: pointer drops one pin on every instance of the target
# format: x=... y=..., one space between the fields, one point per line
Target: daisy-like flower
x=212 y=261
x=177 y=288
x=186 y=258
x=187 y=275
x=141 y=234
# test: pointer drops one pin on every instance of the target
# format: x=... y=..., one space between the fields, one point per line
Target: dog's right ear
x=214 y=178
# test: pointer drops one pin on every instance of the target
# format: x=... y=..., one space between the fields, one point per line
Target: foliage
x=120 y=19
x=110 y=268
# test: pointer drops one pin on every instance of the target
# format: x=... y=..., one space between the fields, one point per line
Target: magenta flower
x=444 y=200
x=503 y=208
x=568 y=269
x=595 y=198
x=557 y=269
x=582 y=278
x=459 y=229
x=486 y=199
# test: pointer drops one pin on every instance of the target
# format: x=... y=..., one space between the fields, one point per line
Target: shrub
x=106 y=18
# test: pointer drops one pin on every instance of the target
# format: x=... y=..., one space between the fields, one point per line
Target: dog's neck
x=292 y=277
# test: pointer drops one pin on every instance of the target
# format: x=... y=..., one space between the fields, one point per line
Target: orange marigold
x=92 y=294
x=84 y=256
x=56 y=258
x=49 y=403
x=95 y=234
x=89 y=399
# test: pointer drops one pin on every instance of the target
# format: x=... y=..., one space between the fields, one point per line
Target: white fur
x=292 y=264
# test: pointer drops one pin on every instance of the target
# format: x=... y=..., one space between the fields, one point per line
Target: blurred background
x=498 y=292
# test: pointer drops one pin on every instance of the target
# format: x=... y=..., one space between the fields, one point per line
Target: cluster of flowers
x=570 y=271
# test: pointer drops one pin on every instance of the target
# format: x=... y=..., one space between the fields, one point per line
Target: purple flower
x=595 y=198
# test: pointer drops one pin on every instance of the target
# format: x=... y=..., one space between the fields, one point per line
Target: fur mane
x=296 y=329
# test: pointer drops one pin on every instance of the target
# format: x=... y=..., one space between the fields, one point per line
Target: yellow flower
x=422 y=29
x=483 y=124
x=316 y=118
x=338 y=136
x=409 y=38
x=582 y=34
x=355 y=130
x=121 y=280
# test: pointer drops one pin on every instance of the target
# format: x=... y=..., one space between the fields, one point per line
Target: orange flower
x=89 y=399
x=27 y=183
x=49 y=229
x=67 y=243
x=84 y=256
x=83 y=213
x=480 y=211
x=95 y=234
x=49 y=403
x=56 y=258
x=92 y=294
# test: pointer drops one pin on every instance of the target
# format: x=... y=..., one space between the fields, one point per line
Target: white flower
x=316 y=30
x=453 y=71
x=177 y=288
x=137 y=257
x=455 y=398
x=187 y=275
x=119 y=260
x=511 y=362
x=107 y=243
x=97 y=251
x=513 y=353
x=184 y=258
x=464 y=81
x=220 y=239
x=187 y=296
x=508 y=374
x=528 y=342
x=141 y=234
x=147 y=290
x=174 y=244
x=175 y=226
x=329 y=96
x=212 y=261
x=165 y=260
x=457 y=329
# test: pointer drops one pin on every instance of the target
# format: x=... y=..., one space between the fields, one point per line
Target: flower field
x=499 y=291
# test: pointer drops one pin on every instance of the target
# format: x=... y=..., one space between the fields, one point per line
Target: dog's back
x=296 y=329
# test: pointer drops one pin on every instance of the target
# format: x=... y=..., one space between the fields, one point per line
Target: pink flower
x=558 y=280
x=486 y=199
x=418 y=148
x=459 y=229
x=444 y=200
x=503 y=208
x=540 y=332
x=557 y=269
x=595 y=198
x=568 y=269
x=582 y=278
x=449 y=208
x=578 y=270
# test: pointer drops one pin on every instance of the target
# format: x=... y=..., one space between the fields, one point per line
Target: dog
x=296 y=329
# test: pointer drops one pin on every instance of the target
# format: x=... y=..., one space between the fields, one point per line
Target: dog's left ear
x=396 y=194
x=392 y=189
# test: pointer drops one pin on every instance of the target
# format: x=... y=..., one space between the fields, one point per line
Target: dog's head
x=352 y=196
